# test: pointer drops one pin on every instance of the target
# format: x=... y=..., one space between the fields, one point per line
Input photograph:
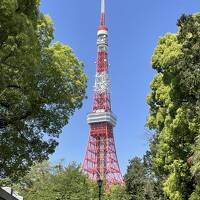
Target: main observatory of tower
x=100 y=161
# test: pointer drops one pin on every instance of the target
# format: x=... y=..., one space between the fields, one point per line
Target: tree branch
x=4 y=59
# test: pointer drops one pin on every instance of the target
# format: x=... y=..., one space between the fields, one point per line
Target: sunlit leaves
x=51 y=182
x=41 y=86
x=174 y=107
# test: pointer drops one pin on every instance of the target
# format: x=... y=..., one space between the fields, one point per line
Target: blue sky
x=134 y=28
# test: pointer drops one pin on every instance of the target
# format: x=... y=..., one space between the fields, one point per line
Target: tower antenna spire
x=102 y=6
x=102 y=22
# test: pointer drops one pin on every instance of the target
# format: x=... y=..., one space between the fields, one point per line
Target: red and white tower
x=101 y=160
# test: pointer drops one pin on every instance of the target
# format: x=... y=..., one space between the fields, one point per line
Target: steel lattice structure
x=101 y=160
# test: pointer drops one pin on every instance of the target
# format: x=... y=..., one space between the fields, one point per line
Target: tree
x=135 y=179
x=50 y=182
x=116 y=192
x=154 y=180
x=195 y=169
x=139 y=186
x=41 y=86
x=174 y=107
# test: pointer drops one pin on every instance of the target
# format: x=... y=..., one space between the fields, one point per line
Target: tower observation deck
x=101 y=159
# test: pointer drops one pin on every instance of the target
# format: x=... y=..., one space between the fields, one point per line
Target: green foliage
x=41 y=85
x=196 y=161
x=153 y=178
x=117 y=192
x=47 y=182
x=135 y=179
x=6 y=182
x=174 y=109
x=50 y=182
x=196 y=194
x=139 y=183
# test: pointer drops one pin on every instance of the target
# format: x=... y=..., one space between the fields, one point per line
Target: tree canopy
x=41 y=85
x=174 y=108
x=140 y=183
x=50 y=182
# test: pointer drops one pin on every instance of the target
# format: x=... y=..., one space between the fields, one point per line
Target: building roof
x=6 y=194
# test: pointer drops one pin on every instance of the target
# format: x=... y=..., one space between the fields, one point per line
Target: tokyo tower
x=101 y=161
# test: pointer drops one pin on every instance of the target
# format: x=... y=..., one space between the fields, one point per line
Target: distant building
x=6 y=193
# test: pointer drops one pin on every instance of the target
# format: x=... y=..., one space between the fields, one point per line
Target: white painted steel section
x=102 y=6
x=102 y=32
x=102 y=117
x=102 y=83
x=102 y=40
